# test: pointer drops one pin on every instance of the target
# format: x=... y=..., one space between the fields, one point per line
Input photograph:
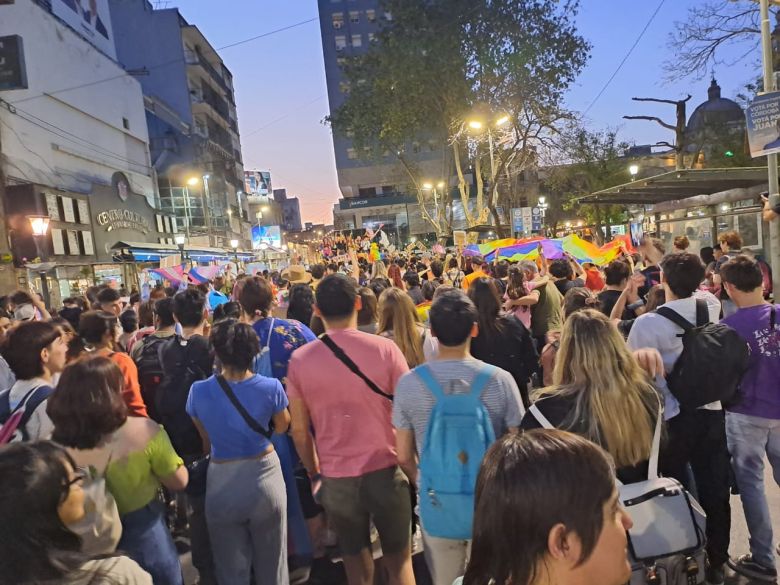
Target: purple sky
x=281 y=95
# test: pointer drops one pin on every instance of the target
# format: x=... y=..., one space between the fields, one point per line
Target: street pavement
x=739 y=535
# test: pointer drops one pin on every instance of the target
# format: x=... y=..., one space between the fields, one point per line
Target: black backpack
x=712 y=363
x=150 y=372
x=180 y=373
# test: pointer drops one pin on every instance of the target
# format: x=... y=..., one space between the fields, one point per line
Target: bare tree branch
x=652 y=119
x=660 y=101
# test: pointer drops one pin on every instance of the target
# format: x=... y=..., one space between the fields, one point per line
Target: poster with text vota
x=763 y=124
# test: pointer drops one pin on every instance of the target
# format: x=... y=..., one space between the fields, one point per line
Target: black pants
x=698 y=438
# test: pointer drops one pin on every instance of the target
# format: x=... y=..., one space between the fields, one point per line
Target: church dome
x=716 y=110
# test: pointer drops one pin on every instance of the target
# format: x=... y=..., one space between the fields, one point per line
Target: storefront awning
x=677 y=185
x=145 y=251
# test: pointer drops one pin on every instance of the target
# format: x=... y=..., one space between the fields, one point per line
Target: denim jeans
x=146 y=540
x=750 y=438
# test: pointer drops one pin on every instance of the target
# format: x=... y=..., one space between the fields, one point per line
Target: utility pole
x=774 y=197
x=678 y=128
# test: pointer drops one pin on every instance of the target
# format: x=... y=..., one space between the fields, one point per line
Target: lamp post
x=180 y=240
x=263 y=247
x=634 y=170
x=543 y=205
x=191 y=182
x=40 y=226
x=234 y=245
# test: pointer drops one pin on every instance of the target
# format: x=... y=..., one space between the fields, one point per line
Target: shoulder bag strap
x=253 y=424
x=652 y=469
x=675 y=318
x=773 y=318
x=345 y=359
x=270 y=331
x=540 y=418
x=702 y=313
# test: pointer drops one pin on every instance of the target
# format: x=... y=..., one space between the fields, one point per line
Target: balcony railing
x=195 y=58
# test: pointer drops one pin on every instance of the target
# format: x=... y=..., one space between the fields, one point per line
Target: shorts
x=351 y=503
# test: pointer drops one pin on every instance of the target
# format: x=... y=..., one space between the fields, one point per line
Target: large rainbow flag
x=527 y=249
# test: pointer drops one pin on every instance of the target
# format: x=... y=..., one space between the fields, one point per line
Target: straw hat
x=296 y=274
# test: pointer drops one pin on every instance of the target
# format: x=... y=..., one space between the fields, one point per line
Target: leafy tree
x=438 y=64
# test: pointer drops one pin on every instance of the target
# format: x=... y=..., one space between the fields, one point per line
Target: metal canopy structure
x=678 y=185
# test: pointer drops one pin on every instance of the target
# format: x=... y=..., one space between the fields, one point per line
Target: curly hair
x=235 y=343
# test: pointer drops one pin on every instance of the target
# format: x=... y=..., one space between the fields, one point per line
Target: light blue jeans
x=750 y=438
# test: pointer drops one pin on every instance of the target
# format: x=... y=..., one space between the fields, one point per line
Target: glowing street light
x=192 y=181
x=475 y=125
x=40 y=226
x=441 y=185
x=428 y=186
x=634 y=170
x=502 y=120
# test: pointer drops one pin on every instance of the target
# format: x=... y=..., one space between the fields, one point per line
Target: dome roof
x=716 y=110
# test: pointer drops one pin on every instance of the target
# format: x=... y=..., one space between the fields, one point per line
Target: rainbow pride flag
x=527 y=249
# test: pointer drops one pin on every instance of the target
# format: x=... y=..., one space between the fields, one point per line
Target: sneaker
x=745 y=565
x=714 y=575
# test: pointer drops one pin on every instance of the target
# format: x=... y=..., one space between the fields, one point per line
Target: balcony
x=205 y=99
x=194 y=58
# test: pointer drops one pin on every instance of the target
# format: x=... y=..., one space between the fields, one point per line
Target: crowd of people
x=336 y=411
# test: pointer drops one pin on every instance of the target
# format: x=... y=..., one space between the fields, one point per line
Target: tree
x=439 y=63
x=716 y=32
x=594 y=160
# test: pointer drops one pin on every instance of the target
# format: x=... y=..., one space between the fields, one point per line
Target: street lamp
x=40 y=226
x=234 y=245
x=475 y=125
x=427 y=186
x=543 y=205
x=634 y=170
x=180 y=240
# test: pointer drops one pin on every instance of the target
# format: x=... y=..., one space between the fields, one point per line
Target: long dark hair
x=35 y=545
x=484 y=295
x=300 y=303
x=529 y=483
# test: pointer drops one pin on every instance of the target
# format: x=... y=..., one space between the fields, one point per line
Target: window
x=388 y=16
x=357 y=40
x=126 y=123
x=351 y=153
x=341 y=42
x=354 y=17
x=371 y=16
x=338 y=19
x=371 y=37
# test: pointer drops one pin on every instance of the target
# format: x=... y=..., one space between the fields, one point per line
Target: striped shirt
x=414 y=402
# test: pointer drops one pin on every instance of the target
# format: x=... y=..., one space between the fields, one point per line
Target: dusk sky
x=282 y=101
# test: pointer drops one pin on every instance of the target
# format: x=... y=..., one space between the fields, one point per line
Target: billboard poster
x=89 y=18
x=268 y=234
x=763 y=124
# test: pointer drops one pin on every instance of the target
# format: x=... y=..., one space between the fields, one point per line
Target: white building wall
x=89 y=143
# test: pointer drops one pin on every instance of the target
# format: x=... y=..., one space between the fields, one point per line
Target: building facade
x=191 y=117
x=348 y=27
x=65 y=138
x=291 y=211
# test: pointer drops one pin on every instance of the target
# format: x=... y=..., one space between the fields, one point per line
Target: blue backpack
x=458 y=435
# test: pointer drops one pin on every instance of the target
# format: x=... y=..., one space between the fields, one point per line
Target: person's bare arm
x=281 y=421
x=527 y=301
x=407 y=453
x=575 y=265
x=177 y=481
x=543 y=260
x=38 y=303
x=204 y=435
x=302 y=437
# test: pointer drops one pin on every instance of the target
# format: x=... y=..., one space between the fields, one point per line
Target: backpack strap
x=270 y=331
x=253 y=424
x=702 y=313
x=675 y=318
x=31 y=401
x=481 y=380
x=430 y=382
x=652 y=468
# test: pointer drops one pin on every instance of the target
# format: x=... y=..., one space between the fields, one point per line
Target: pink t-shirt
x=523 y=312
x=352 y=425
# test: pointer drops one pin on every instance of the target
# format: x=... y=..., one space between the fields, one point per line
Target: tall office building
x=374 y=192
x=192 y=120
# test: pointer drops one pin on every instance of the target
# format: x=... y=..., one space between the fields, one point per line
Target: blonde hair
x=613 y=397
x=378 y=270
x=398 y=318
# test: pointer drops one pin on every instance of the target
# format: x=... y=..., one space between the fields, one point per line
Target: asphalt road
x=739 y=535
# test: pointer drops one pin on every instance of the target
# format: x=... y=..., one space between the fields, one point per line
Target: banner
x=89 y=18
x=528 y=249
x=763 y=124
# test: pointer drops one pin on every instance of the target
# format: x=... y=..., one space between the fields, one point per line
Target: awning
x=146 y=251
x=679 y=185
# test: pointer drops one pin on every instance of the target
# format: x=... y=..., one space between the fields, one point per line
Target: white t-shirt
x=656 y=331
x=39 y=426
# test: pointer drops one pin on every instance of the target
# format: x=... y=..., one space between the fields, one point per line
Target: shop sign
x=115 y=219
